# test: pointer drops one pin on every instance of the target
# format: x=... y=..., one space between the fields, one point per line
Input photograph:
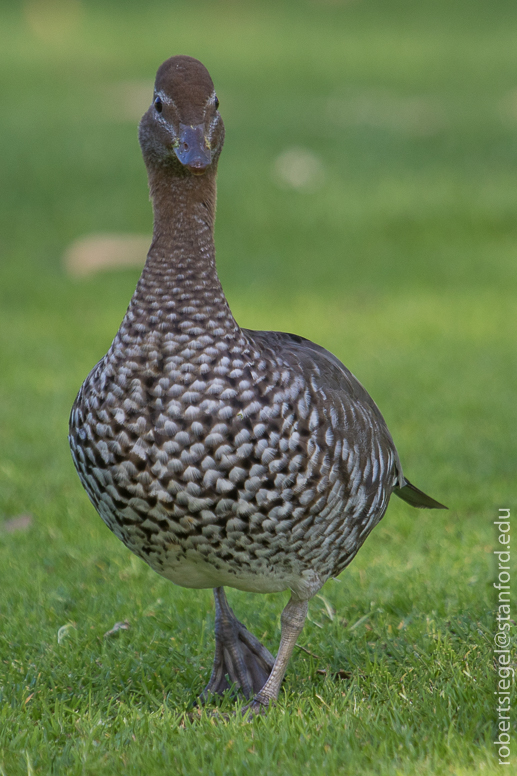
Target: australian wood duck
x=219 y=455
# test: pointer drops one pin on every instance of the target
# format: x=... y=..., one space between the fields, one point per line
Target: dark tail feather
x=417 y=498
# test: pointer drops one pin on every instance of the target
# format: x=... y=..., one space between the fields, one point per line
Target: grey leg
x=293 y=620
x=240 y=658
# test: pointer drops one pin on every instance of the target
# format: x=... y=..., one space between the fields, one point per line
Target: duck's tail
x=416 y=497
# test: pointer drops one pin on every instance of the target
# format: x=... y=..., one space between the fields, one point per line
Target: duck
x=222 y=456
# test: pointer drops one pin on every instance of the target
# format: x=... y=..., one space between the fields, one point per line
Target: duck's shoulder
x=321 y=368
x=329 y=379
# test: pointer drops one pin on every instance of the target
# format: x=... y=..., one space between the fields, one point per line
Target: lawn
x=398 y=252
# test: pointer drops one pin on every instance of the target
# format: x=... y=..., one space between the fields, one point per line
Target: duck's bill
x=192 y=150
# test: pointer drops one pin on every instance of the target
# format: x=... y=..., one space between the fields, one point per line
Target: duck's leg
x=292 y=620
x=240 y=658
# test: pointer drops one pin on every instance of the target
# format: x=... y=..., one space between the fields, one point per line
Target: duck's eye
x=158 y=105
x=216 y=102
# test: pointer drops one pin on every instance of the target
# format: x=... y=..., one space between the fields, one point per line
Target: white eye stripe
x=160 y=118
x=211 y=99
x=164 y=98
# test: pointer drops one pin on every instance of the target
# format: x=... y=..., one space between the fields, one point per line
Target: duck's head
x=182 y=130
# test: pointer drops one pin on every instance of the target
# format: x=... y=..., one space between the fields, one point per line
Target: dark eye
x=216 y=102
x=158 y=105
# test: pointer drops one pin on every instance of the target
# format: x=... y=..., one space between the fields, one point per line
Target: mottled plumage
x=219 y=455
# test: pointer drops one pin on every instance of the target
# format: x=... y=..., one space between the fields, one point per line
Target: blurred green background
x=368 y=201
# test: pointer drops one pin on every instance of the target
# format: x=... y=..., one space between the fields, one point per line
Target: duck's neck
x=179 y=290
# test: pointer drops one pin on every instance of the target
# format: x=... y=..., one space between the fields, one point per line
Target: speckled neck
x=179 y=290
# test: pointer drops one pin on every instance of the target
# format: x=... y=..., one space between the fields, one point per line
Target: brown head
x=182 y=131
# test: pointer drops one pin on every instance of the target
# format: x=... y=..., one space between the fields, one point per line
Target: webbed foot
x=240 y=659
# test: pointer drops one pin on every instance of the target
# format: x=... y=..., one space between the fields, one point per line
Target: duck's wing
x=323 y=369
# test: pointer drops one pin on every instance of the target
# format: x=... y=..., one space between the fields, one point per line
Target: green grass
x=403 y=263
